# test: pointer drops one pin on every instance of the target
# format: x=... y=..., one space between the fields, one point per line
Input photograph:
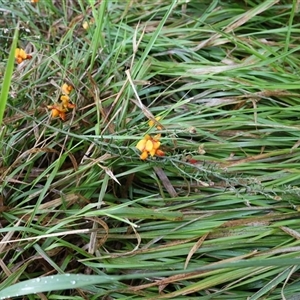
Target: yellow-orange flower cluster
x=149 y=146
x=60 y=109
x=21 y=55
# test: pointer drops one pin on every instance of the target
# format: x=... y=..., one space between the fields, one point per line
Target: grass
x=7 y=76
x=83 y=217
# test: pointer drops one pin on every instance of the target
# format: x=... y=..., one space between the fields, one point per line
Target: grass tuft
x=83 y=216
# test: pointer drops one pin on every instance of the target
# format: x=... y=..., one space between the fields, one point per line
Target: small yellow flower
x=21 y=55
x=66 y=102
x=144 y=155
x=149 y=146
x=141 y=145
x=87 y=24
x=66 y=89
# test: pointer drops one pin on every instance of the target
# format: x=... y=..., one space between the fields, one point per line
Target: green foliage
x=217 y=216
x=8 y=75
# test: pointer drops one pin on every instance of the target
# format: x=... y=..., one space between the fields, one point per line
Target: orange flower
x=66 y=89
x=160 y=152
x=34 y=1
x=149 y=145
x=58 y=110
x=66 y=102
x=65 y=99
x=21 y=55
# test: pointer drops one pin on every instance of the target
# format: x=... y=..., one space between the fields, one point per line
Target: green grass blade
x=49 y=283
x=152 y=40
x=8 y=75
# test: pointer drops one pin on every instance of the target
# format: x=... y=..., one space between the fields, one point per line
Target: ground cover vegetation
x=149 y=149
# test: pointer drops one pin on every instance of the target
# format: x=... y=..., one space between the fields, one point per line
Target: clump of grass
x=82 y=216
